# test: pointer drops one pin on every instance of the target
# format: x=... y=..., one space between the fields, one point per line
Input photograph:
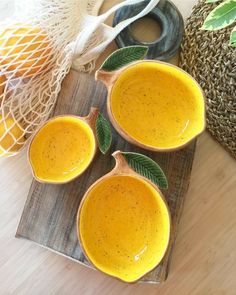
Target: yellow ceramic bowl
x=124 y=226
x=155 y=105
x=62 y=149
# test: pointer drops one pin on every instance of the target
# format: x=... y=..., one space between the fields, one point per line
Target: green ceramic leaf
x=212 y=1
x=222 y=16
x=103 y=132
x=233 y=38
x=124 y=56
x=147 y=168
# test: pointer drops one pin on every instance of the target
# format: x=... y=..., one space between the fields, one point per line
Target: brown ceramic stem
x=121 y=166
x=91 y=118
x=108 y=78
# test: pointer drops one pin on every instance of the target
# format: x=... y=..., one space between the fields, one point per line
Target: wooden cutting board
x=49 y=216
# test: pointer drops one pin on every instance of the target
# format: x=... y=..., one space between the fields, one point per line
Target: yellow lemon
x=8 y=141
x=25 y=49
x=2 y=84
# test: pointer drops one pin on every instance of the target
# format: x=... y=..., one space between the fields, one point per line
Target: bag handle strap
x=91 y=23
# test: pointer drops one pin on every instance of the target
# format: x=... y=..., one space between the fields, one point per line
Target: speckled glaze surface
x=154 y=105
x=170 y=21
x=63 y=148
x=123 y=223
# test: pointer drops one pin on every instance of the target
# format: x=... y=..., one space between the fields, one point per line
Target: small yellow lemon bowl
x=123 y=223
x=154 y=105
x=63 y=148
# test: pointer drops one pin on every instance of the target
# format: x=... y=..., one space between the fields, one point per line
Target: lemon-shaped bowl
x=154 y=105
x=124 y=225
x=63 y=148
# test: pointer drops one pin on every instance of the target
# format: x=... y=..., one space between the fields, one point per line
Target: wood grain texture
x=49 y=216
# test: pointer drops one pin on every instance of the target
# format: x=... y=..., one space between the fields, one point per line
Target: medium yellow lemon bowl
x=154 y=105
x=123 y=224
x=63 y=148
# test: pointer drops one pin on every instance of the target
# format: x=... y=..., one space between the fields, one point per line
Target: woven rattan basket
x=207 y=56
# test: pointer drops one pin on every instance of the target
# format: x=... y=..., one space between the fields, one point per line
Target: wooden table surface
x=204 y=256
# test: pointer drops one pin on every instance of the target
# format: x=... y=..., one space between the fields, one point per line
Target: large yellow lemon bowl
x=123 y=224
x=154 y=105
x=63 y=148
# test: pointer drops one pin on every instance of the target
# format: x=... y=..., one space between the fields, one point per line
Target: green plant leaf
x=212 y=1
x=146 y=167
x=222 y=16
x=233 y=37
x=103 y=132
x=124 y=56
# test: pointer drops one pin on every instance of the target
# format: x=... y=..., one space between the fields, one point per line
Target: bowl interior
x=62 y=149
x=158 y=105
x=124 y=226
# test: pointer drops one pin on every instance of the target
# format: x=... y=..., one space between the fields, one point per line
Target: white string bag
x=38 y=45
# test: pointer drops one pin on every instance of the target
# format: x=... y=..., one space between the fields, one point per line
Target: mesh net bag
x=37 y=49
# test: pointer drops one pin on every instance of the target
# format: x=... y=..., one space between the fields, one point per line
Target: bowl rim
x=125 y=134
x=35 y=134
x=138 y=176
